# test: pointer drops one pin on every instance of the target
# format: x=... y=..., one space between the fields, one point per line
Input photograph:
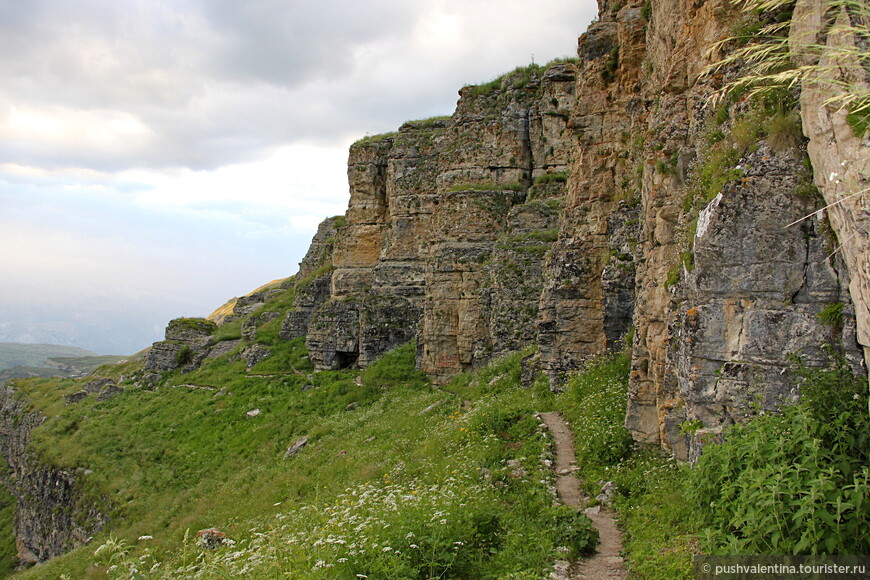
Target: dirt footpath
x=607 y=562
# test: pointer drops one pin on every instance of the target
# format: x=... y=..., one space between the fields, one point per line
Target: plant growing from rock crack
x=769 y=60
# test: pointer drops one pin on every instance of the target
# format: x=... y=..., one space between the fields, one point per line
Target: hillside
x=674 y=264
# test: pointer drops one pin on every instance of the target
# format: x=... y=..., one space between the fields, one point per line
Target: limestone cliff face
x=448 y=227
x=565 y=205
x=51 y=514
x=562 y=207
x=840 y=158
x=724 y=290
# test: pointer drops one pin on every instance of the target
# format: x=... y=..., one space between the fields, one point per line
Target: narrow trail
x=607 y=562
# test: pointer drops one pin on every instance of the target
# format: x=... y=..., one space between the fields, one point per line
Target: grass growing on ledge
x=517 y=78
x=554 y=177
x=375 y=139
x=486 y=186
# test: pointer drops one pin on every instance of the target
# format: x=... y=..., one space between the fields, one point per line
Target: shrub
x=794 y=483
x=183 y=356
x=608 y=74
x=832 y=314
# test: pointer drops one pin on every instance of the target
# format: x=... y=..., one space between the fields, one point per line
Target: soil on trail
x=607 y=562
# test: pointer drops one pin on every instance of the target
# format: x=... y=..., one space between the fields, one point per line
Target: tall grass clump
x=594 y=403
x=796 y=482
x=769 y=61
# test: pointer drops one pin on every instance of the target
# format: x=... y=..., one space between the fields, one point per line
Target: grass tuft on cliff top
x=517 y=78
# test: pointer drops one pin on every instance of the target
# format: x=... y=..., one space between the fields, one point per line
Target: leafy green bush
x=794 y=483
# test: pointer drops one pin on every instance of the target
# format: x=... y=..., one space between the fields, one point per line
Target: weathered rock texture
x=447 y=230
x=841 y=159
x=724 y=291
x=454 y=237
x=52 y=516
x=187 y=344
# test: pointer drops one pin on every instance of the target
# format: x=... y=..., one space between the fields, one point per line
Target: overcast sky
x=158 y=157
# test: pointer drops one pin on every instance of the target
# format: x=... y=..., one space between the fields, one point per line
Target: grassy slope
x=388 y=458
x=179 y=459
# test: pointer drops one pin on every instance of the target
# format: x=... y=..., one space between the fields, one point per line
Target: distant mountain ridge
x=49 y=360
x=36 y=355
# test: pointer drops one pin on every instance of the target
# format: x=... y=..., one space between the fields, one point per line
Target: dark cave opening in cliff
x=346 y=360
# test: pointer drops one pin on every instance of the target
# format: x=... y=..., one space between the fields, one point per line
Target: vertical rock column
x=841 y=159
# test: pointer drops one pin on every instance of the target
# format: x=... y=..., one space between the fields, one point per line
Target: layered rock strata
x=656 y=226
x=447 y=229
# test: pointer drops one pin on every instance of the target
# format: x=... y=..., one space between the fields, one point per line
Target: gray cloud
x=213 y=82
x=289 y=43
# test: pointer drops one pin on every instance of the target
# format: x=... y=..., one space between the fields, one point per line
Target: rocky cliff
x=52 y=516
x=614 y=195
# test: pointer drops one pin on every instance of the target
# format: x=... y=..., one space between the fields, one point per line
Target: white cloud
x=61 y=129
